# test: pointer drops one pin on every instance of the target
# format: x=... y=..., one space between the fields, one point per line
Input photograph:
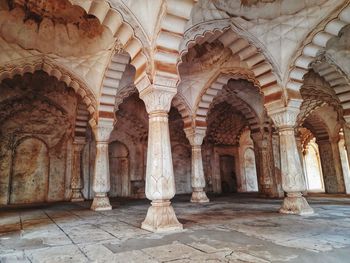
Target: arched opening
x=30 y=172
x=321 y=150
x=228 y=175
x=132 y=131
x=247 y=163
x=312 y=167
x=38 y=114
x=181 y=153
x=230 y=155
x=119 y=169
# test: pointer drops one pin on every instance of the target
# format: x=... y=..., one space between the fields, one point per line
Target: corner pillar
x=160 y=182
x=293 y=181
x=264 y=164
x=331 y=165
x=76 y=181
x=195 y=137
x=101 y=179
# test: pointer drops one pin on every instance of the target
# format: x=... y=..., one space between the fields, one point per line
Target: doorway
x=227 y=174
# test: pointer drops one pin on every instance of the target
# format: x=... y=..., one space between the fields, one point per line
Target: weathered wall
x=37 y=115
x=181 y=153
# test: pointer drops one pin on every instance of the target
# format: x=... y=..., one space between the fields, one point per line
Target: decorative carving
x=103 y=130
x=285 y=117
x=157 y=99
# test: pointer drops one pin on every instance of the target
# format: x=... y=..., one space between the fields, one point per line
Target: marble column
x=76 y=180
x=101 y=179
x=160 y=182
x=293 y=181
x=195 y=137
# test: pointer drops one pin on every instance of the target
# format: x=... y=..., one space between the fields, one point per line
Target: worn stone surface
x=236 y=228
x=36 y=123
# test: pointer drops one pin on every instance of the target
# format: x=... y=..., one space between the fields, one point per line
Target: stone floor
x=239 y=228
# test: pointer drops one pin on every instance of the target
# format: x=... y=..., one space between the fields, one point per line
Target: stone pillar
x=195 y=137
x=265 y=165
x=293 y=181
x=337 y=164
x=160 y=182
x=277 y=163
x=76 y=180
x=331 y=165
x=101 y=179
x=300 y=149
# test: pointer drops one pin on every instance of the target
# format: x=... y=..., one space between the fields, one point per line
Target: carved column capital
x=157 y=99
x=195 y=135
x=103 y=129
x=285 y=118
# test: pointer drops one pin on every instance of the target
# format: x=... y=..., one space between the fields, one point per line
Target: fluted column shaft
x=293 y=181
x=76 y=180
x=195 y=137
x=101 y=179
x=160 y=182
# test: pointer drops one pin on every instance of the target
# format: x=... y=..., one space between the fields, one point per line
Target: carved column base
x=199 y=196
x=161 y=218
x=101 y=202
x=77 y=196
x=296 y=204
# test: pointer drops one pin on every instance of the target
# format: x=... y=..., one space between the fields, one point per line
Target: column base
x=295 y=204
x=161 y=218
x=199 y=196
x=101 y=203
x=77 y=196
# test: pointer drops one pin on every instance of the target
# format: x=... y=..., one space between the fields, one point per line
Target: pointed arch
x=52 y=69
x=86 y=109
x=184 y=109
x=338 y=81
x=251 y=53
x=313 y=47
x=206 y=97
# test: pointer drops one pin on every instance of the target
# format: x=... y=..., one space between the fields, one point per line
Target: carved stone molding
x=285 y=117
x=195 y=135
x=157 y=99
x=103 y=129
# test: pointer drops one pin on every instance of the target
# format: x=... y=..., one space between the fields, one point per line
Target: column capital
x=79 y=143
x=103 y=129
x=157 y=98
x=285 y=118
x=195 y=135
